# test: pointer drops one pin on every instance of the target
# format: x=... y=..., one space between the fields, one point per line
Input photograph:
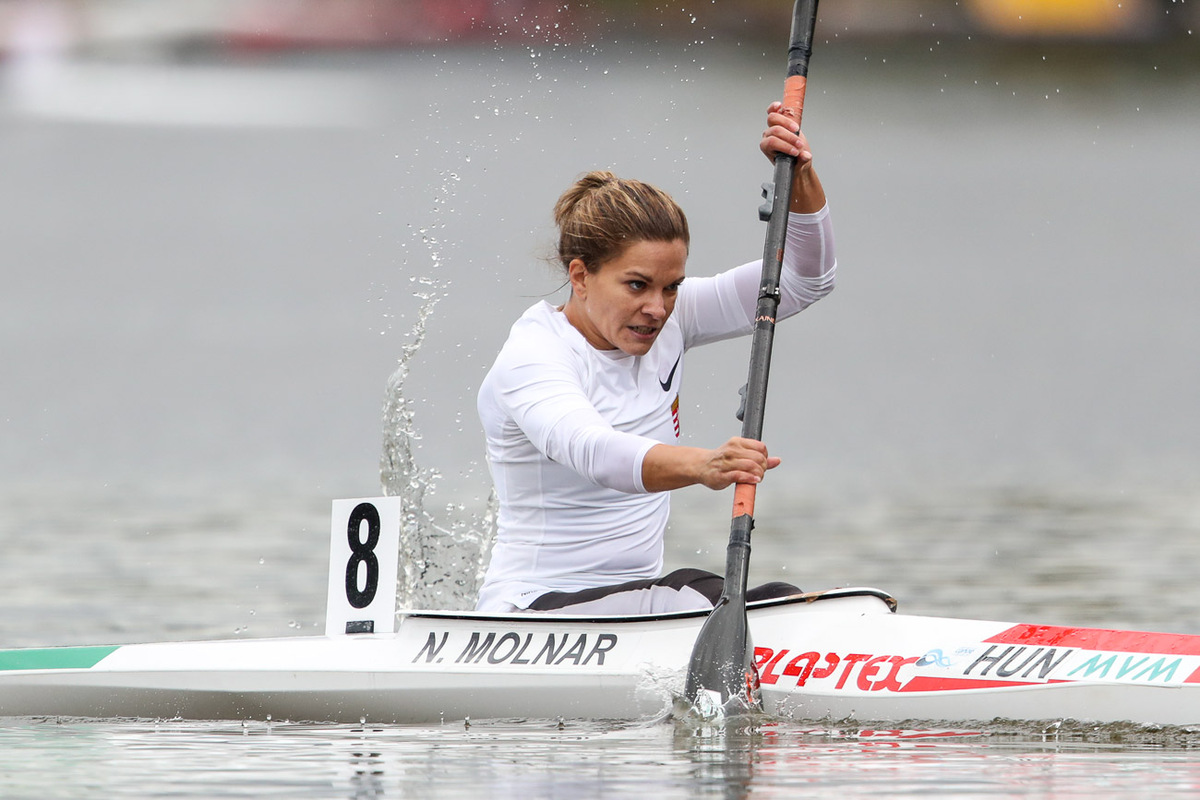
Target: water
x=443 y=557
x=992 y=417
x=516 y=760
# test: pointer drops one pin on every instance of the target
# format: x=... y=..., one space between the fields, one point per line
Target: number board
x=364 y=552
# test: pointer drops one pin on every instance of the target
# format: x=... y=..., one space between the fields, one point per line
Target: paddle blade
x=722 y=680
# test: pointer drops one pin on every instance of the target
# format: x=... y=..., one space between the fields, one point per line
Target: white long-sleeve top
x=568 y=426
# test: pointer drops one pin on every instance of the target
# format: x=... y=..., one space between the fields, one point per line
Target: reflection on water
x=543 y=759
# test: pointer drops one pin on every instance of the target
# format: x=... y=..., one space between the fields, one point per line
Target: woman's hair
x=601 y=215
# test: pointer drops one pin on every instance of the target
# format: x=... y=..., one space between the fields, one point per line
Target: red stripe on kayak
x=1194 y=677
x=927 y=683
x=1176 y=644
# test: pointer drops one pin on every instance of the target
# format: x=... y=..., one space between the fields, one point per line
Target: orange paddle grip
x=743 y=499
x=793 y=96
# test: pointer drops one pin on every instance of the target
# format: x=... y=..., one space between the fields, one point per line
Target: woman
x=581 y=406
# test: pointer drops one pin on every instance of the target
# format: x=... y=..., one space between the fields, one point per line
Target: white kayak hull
x=831 y=655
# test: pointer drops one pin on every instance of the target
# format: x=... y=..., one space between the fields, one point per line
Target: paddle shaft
x=804 y=18
x=722 y=658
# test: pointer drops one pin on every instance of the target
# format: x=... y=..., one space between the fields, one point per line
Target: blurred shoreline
x=171 y=28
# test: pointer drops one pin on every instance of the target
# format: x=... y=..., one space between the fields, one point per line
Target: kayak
x=838 y=654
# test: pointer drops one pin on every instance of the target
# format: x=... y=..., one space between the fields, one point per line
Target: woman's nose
x=655 y=307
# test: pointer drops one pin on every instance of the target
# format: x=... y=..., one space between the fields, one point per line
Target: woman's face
x=625 y=303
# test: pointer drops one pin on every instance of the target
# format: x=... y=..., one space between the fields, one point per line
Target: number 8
x=362 y=553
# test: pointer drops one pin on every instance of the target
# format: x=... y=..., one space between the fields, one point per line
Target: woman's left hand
x=672 y=466
x=783 y=135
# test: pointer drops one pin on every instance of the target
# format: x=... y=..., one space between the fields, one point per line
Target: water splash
x=442 y=559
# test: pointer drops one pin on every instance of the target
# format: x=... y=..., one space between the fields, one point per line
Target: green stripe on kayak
x=53 y=658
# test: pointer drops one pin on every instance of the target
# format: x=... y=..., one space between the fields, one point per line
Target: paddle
x=721 y=672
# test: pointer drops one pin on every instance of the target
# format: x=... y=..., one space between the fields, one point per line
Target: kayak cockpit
x=850 y=599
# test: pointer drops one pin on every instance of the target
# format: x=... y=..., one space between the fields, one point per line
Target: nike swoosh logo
x=666 y=385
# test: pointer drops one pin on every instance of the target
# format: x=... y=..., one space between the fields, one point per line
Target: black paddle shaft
x=722 y=662
x=804 y=18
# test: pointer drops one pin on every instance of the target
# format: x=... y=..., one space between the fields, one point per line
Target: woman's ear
x=577 y=273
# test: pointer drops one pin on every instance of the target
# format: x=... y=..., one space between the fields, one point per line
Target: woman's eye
x=637 y=286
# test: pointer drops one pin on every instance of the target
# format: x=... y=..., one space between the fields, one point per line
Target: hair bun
x=590 y=182
x=600 y=215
